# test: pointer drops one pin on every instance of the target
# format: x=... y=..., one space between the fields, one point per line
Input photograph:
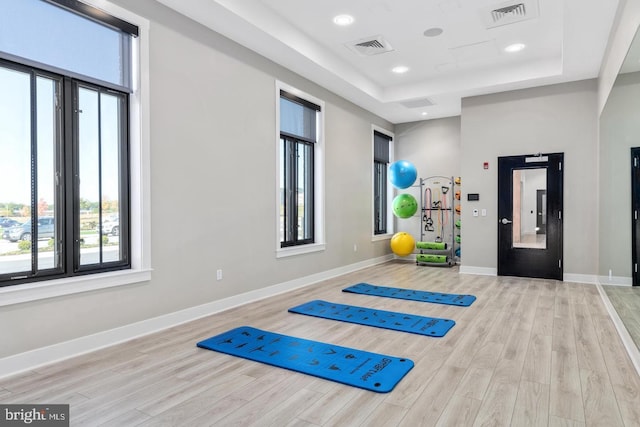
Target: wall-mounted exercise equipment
x=439 y=242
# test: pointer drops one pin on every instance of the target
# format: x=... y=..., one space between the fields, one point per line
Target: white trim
x=18 y=294
x=580 y=278
x=482 y=271
x=380 y=237
x=140 y=131
x=615 y=281
x=299 y=250
x=15 y=364
x=627 y=341
x=318 y=178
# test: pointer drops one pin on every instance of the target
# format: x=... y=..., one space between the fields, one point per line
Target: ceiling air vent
x=418 y=103
x=370 y=46
x=510 y=12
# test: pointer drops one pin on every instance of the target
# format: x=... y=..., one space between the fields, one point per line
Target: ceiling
x=564 y=40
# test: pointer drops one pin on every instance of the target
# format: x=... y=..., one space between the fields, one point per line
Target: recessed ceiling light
x=400 y=69
x=433 y=32
x=516 y=47
x=343 y=20
x=424 y=113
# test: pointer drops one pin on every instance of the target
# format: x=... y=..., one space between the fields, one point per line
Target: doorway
x=530 y=198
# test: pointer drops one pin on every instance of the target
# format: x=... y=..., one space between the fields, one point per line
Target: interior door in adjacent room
x=635 y=213
x=530 y=197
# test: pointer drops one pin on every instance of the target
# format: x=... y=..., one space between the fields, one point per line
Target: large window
x=65 y=79
x=300 y=172
x=382 y=221
x=298 y=136
x=380 y=164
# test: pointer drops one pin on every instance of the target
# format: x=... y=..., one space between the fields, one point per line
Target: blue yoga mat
x=371 y=371
x=430 y=326
x=411 y=294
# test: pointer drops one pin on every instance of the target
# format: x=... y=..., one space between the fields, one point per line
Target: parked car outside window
x=111 y=225
x=8 y=222
x=5 y=226
x=46 y=229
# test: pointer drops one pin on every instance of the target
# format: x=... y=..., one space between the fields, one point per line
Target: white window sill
x=17 y=294
x=299 y=250
x=380 y=237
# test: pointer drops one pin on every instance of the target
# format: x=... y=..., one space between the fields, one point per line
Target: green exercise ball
x=404 y=205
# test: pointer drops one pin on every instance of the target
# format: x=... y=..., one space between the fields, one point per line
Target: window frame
x=318 y=243
x=139 y=175
x=390 y=225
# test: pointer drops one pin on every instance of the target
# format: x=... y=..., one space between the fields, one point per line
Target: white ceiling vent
x=369 y=46
x=418 y=103
x=509 y=12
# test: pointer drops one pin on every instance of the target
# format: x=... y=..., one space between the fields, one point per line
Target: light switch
x=484 y=212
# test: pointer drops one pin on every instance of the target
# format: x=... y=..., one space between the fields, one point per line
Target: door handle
x=505 y=221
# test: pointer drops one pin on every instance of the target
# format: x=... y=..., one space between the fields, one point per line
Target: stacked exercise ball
x=404 y=205
x=402 y=244
x=402 y=174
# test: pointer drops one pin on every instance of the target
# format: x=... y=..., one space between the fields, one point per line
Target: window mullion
x=69 y=212
x=100 y=201
x=34 y=174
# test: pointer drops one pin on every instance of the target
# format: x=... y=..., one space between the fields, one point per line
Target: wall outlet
x=355 y=248
x=219 y=274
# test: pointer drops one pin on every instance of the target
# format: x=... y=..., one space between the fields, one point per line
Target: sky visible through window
x=47 y=34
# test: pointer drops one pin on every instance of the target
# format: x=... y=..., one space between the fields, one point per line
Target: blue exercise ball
x=402 y=174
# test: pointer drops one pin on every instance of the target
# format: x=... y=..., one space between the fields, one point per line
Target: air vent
x=370 y=46
x=509 y=13
x=418 y=103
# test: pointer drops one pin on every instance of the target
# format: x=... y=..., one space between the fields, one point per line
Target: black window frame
x=291 y=148
x=381 y=159
x=67 y=202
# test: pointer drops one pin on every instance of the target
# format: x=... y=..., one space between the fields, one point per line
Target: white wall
x=213 y=163
x=558 y=118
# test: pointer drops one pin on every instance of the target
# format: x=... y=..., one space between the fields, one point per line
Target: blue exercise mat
x=411 y=294
x=371 y=371
x=422 y=325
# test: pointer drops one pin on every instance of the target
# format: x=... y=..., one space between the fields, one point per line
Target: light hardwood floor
x=526 y=353
x=626 y=301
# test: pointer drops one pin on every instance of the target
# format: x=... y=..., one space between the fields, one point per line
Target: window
x=300 y=194
x=382 y=145
x=64 y=140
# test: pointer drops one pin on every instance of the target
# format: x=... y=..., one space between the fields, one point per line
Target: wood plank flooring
x=526 y=353
x=626 y=301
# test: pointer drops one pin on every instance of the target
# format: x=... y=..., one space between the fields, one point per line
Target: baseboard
x=615 y=281
x=627 y=341
x=32 y=359
x=482 y=271
x=580 y=278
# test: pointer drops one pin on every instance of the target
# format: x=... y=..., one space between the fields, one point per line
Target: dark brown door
x=530 y=225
